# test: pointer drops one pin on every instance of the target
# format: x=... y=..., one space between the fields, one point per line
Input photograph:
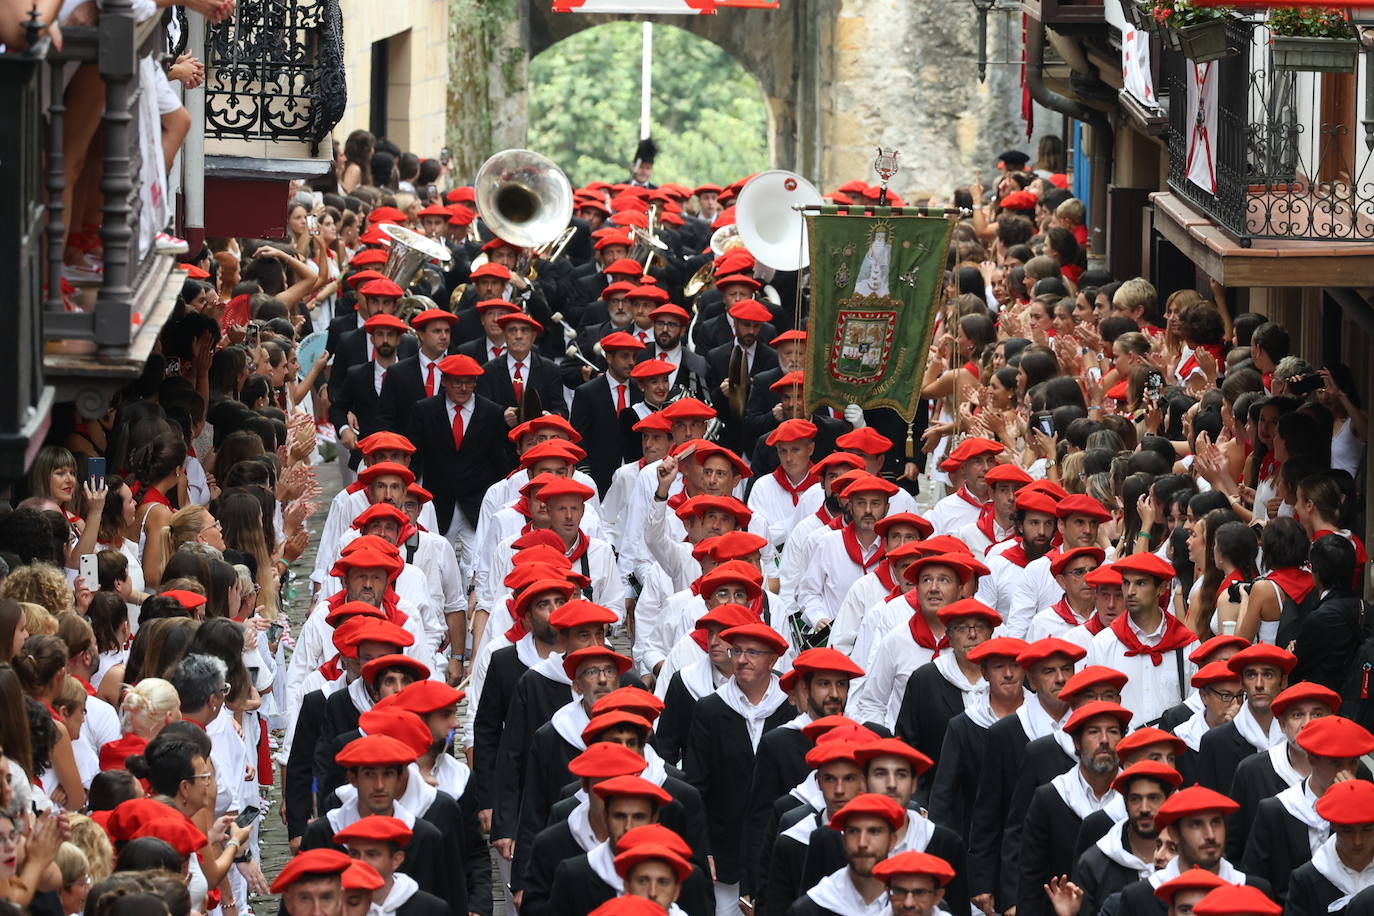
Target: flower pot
x=1205 y=41
x=1320 y=55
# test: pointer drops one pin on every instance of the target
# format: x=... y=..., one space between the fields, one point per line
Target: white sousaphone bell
x=772 y=229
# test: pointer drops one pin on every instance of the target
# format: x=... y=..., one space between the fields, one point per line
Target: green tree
x=709 y=118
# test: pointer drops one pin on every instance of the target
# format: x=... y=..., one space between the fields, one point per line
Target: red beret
x=607 y=720
x=519 y=318
x=429 y=315
x=183 y=836
x=817 y=727
x=792 y=431
x=604 y=760
x=688 y=409
x=187 y=599
x=657 y=834
x=737 y=571
x=794 y=379
x=974 y=446
x=625 y=267
x=385 y=214
x=490 y=269
x=619 y=340
x=379 y=512
x=759 y=632
x=923 y=528
x=1005 y=646
x=368 y=257
x=1007 y=473
x=1347 y=803
x=632 y=787
x=425 y=697
x=726 y=616
x=374 y=751
x=628 y=905
x=952 y=561
x=1019 y=200
x=968 y=607
x=434 y=209
x=1262 y=654
x=669 y=310
x=386 y=468
x=1147 y=769
x=484 y=304
x=831 y=752
x=573 y=660
x=1087 y=711
x=1082 y=504
x=460 y=365
x=364 y=276
x=636 y=700
x=376 y=828
x=387 y=718
x=463 y=195
x=1042 y=649
x=1143 y=563
x=540 y=586
x=1105 y=575
x=865 y=439
x=1234 y=900
x=1335 y=736
x=610 y=238
x=580 y=613
x=385 y=442
x=1192 y=800
x=1194 y=879
x=311 y=863
x=361 y=877
x=749 y=310
x=1306 y=692
x=788 y=337
x=648 y=291
x=565 y=486
x=616 y=290
x=1029 y=500
x=707 y=450
x=912 y=862
x=1145 y=737
x=1092 y=676
x=873 y=805
x=1204 y=652
x=383 y=662
x=746 y=281
x=870 y=483
x=459 y=215
x=1214 y=673
x=649 y=852
x=348 y=609
x=113 y=754
x=651 y=368
x=383 y=288
x=1061 y=562
x=825 y=659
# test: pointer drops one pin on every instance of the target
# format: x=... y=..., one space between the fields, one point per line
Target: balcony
x=1293 y=150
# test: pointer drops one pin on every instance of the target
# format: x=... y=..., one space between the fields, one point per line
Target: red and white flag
x=1202 y=125
x=1135 y=66
x=644 y=7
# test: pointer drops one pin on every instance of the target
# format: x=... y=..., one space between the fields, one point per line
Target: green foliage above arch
x=709 y=118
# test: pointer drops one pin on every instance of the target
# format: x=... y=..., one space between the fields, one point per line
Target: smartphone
x=247 y=817
x=313 y=223
x=252 y=332
x=1153 y=383
x=273 y=632
x=1305 y=384
x=95 y=472
x=1045 y=423
x=90 y=571
x=1234 y=589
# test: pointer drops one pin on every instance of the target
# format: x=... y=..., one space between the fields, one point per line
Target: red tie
x=429 y=381
x=620 y=398
x=497 y=351
x=518 y=382
x=643 y=337
x=458 y=427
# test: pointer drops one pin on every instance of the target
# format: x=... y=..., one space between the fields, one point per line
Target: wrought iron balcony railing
x=1294 y=150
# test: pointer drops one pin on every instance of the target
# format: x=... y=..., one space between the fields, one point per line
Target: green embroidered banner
x=876 y=283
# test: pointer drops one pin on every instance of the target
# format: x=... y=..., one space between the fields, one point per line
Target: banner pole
x=646 y=81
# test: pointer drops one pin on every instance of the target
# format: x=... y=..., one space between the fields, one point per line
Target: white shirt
x=343 y=509
x=895 y=659
x=1149 y=690
x=769 y=499
x=977 y=541
x=617 y=501
x=678 y=615
x=524 y=366
x=867 y=592
x=1036 y=589
x=425 y=363
x=997 y=587
x=829 y=575
x=952 y=513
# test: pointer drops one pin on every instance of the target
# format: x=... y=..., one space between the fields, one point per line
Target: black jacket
x=594 y=415
x=1327 y=640
x=535 y=700
x=954 y=786
x=1221 y=750
x=929 y=703
x=402 y=386
x=1138 y=898
x=356 y=393
x=457 y=478
x=1044 y=759
x=1099 y=876
x=503 y=672
x=1277 y=845
x=540 y=375
x=1005 y=745
x=1047 y=838
x=1310 y=894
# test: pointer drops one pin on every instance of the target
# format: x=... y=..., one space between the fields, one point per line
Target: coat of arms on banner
x=863 y=340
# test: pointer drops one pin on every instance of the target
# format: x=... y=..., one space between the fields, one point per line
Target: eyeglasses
x=1078 y=573
x=1226 y=696
x=969 y=629
x=901 y=893
x=460 y=382
x=749 y=653
x=609 y=672
x=197 y=777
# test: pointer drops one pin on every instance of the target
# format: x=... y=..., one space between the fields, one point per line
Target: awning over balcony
x=1266 y=262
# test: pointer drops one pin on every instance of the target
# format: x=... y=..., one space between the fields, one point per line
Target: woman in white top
x=1349 y=429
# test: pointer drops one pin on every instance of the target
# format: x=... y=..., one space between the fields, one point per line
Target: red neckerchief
x=391 y=607
x=987 y=522
x=971 y=367
x=154 y=495
x=409 y=531
x=1016 y=554
x=90 y=691
x=1066 y=614
x=824 y=514
x=885 y=578
x=1232 y=578
x=1296 y=583
x=1094 y=624
x=921 y=631
x=795 y=492
x=522 y=505
x=968 y=497
x=1191 y=362
x=356 y=486
x=700 y=638
x=1176 y=636
x=332 y=669
x=579 y=547
x=517 y=630
x=836 y=523
x=677 y=499
x=1268 y=465
x=855 y=551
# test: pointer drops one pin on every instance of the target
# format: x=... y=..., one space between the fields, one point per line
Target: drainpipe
x=1100 y=149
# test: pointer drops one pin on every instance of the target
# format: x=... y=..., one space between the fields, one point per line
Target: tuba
x=410 y=253
x=523 y=198
x=769 y=222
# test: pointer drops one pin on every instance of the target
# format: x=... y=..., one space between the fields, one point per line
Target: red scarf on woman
x=1176 y=636
x=1296 y=583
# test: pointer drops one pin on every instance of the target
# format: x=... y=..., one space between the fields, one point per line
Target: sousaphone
x=772 y=228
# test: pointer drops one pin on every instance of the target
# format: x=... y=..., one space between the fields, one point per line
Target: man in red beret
x=1079 y=599
x=1148 y=644
x=808 y=528
x=598 y=403
x=1057 y=810
x=1263 y=673
x=778 y=496
x=355 y=396
x=1218 y=689
x=868 y=825
x=1289 y=828
x=1108 y=604
x=1194 y=821
x=648 y=440
x=854 y=628
x=778 y=396
x=1342 y=866
x=1034 y=525
x=309 y=884
x=683 y=686
x=670 y=322
x=506 y=379
x=726 y=729
x=381 y=842
x=993 y=524
x=1286 y=764
x=460 y=452
x=966 y=505
x=1127 y=852
x=1078 y=517
x=488 y=341
x=915 y=882
x=414 y=377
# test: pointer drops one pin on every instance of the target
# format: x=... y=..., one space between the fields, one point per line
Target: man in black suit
x=460 y=449
x=354 y=401
x=417 y=376
x=597 y=406
x=506 y=378
x=718 y=330
x=574 y=370
x=790 y=404
x=354 y=347
x=670 y=323
x=491 y=343
x=621 y=270
x=749 y=319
